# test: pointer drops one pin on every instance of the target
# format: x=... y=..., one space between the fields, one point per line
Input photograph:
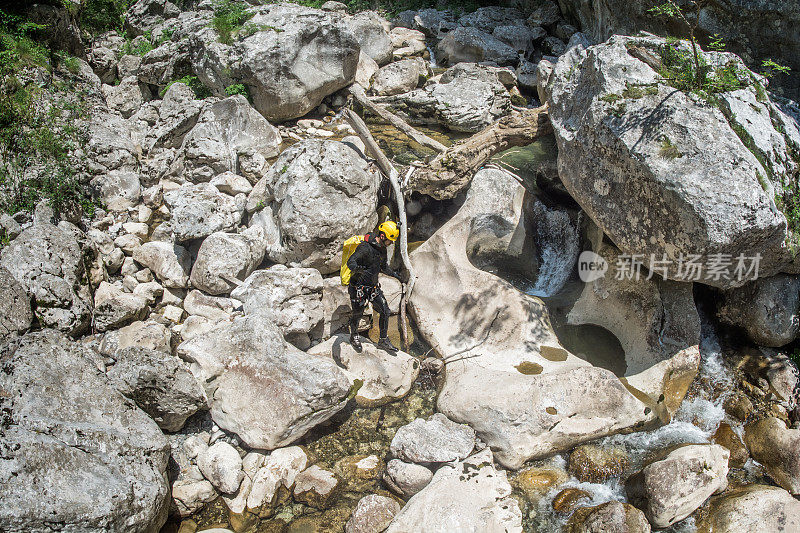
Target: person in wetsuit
x=367 y=261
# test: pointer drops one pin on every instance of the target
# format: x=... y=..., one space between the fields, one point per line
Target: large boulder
x=467 y=98
x=437 y=440
x=670 y=489
x=294 y=58
x=609 y=516
x=488 y=18
x=775 y=446
x=473 y=45
x=768 y=309
x=469 y=495
x=144 y=15
x=399 y=77
x=224 y=258
x=177 y=115
x=373 y=39
x=754 y=29
x=291 y=296
x=112 y=161
x=752 y=508
x=75 y=451
x=499 y=347
x=48 y=262
x=384 y=376
x=653 y=319
x=168 y=261
x=15 y=307
x=114 y=307
x=316 y=195
x=259 y=386
x=200 y=210
x=160 y=384
x=127 y=97
x=229 y=136
x=670 y=189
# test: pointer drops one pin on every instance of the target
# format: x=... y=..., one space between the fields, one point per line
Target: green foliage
x=200 y=90
x=716 y=43
x=666 y=9
x=238 y=88
x=98 y=16
x=229 y=16
x=668 y=149
x=610 y=98
x=772 y=68
x=679 y=69
x=635 y=91
x=250 y=28
x=143 y=45
x=38 y=131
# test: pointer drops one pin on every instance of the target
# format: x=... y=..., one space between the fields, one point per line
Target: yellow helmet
x=389 y=229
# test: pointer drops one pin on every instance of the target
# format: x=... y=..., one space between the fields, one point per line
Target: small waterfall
x=433 y=56
x=558 y=242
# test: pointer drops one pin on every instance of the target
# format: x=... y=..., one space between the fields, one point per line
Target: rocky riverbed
x=602 y=333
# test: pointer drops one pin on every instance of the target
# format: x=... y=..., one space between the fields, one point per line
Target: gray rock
x=148 y=335
x=466 y=496
x=523 y=39
x=316 y=486
x=399 y=77
x=211 y=307
x=114 y=308
x=437 y=440
x=272 y=61
x=48 y=263
x=498 y=361
x=128 y=66
x=232 y=184
x=752 y=508
x=127 y=97
x=554 y=46
x=407 y=43
x=367 y=67
x=373 y=38
x=229 y=136
x=473 y=45
x=372 y=514
x=200 y=210
x=407 y=478
x=144 y=15
x=103 y=62
x=160 y=384
x=431 y=22
x=670 y=489
x=778 y=449
x=292 y=297
x=164 y=63
x=768 y=309
x=527 y=76
x=15 y=307
x=261 y=388
x=385 y=377
x=468 y=98
x=70 y=435
x=177 y=115
x=488 y=18
x=750 y=28
x=705 y=196
x=662 y=321
x=169 y=262
x=547 y=14
x=224 y=258
x=222 y=466
x=315 y=181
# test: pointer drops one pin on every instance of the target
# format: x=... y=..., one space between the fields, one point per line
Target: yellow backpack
x=348 y=248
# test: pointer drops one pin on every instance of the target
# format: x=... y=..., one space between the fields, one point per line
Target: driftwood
x=394 y=178
x=452 y=170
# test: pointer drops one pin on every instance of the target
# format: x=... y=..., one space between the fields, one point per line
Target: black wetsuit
x=367 y=261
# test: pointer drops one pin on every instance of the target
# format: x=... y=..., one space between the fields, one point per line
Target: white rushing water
x=433 y=56
x=558 y=242
x=696 y=421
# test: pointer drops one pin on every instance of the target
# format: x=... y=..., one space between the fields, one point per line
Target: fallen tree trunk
x=452 y=170
x=361 y=97
x=394 y=178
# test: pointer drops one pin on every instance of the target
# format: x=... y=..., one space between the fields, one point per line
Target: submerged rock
x=316 y=486
x=611 y=516
x=69 y=435
x=469 y=495
x=594 y=464
x=373 y=513
x=406 y=479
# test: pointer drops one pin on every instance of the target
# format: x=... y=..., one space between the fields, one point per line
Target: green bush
x=229 y=16
x=237 y=88
x=98 y=16
x=200 y=90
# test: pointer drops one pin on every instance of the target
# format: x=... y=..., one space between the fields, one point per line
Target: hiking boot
x=386 y=344
x=355 y=342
